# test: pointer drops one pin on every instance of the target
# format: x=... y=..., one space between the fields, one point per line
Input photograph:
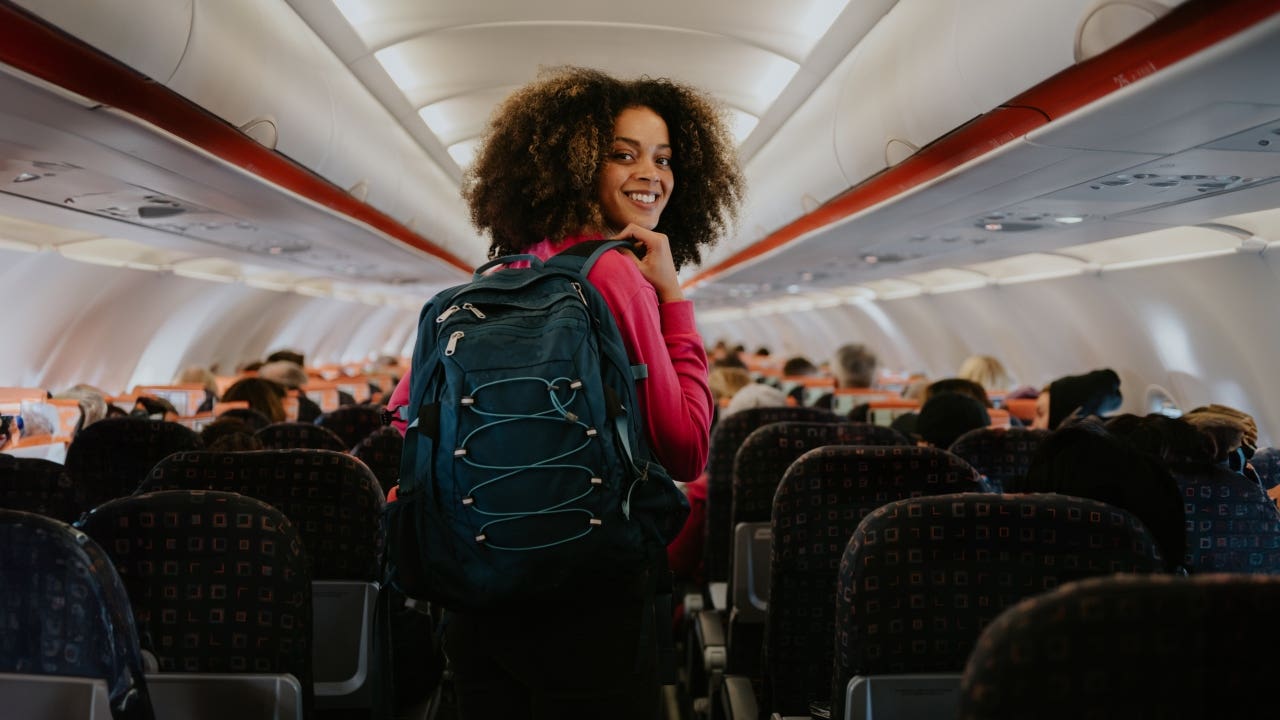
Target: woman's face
x=1041 y=421
x=636 y=180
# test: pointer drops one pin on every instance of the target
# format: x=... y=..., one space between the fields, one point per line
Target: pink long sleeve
x=675 y=399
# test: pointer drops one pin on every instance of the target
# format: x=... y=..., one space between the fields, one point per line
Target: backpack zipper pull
x=452 y=347
x=447 y=312
x=578 y=287
x=474 y=310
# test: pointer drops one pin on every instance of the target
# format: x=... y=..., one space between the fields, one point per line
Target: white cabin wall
x=71 y=322
x=1205 y=330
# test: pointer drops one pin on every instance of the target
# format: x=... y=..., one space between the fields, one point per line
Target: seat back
x=757 y=470
x=726 y=438
x=64 y=612
x=1130 y=646
x=111 y=457
x=380 y=451
x=218 y=581
x=1002 y=455
x=352 y=423
x=1232 y=526
x=819 y=504
x=920 y=578
x=332 y=498
x=42 y=487
x=292 y=435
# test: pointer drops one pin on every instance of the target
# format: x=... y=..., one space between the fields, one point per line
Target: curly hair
x=536 y=173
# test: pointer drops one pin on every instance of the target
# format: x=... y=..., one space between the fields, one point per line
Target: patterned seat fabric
x=768 y=451
x=822 y=498
x=920 y=578
x=1130 y=647
x=111 y=457
x=293 y=435
x=726 y=438
x=1267 y=464
x=64 y=611
x=1002 y=455
x=381 y=451
x=43 y=487
x=352 y=423
x=218 y=581
x=1232 y=526
x=332 y=498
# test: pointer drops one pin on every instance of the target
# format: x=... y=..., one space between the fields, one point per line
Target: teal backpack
x=526 y=464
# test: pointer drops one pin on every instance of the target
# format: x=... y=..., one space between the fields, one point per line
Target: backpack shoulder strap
x=582 y=257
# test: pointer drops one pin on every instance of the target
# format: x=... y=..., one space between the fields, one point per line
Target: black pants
x=557 y=664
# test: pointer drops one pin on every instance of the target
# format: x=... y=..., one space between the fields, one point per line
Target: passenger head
x=576 y=151
x=985 y=371
x=1234 y=434
x=254 y=419
x=262 y=395
x=1171 y=440
x=230 y=434
x=292 y=356
x=92 y=402
x=154 y=408
x=799 y=366
x=1094 y=393
x=197 y=375
x=753 y=396
x=725 y=382
x=946 y=416
x=854 y=366
x=289 y=374
x=958 y=386
x=1084 y=460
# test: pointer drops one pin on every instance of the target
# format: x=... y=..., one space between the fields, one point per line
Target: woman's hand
x=656 y=266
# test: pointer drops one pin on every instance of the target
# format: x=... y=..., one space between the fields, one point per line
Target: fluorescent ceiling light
x=1148 y=262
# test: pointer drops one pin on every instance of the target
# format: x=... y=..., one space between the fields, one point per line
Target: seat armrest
x=709 y=626
x=739 y=698
x=719 y=594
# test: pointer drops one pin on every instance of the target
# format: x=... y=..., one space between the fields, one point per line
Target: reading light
x=1069 y=219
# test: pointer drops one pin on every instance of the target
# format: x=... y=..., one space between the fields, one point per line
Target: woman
x=577 y=156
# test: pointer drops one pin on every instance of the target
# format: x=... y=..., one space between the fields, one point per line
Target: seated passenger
x=1234 y=433
x=197 y=375
x=230 y=434
x=948 y=415
x=262 y=395
x=1094 y=393
x=293 y=378
x=155 y=409
x=93 y=405
x=1084 y=460
x=854 y=366
x=985 y=371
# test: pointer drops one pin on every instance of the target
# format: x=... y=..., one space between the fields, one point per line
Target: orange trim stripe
x=1186 y=30
x=34 y=47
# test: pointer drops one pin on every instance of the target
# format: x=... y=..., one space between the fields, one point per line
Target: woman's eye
x=665 y=162
x=621 y=155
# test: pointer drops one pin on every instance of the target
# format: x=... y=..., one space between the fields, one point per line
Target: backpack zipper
x=452 y=347
x=578 y=287
x=447 y=312
x=475 y=310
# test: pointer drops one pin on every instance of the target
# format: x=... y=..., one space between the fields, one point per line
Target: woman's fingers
x=656 y=263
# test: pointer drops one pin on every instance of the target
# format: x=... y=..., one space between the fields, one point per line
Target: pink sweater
x=675 y=400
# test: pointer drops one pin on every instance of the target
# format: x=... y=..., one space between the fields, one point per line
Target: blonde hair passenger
x=986 y=371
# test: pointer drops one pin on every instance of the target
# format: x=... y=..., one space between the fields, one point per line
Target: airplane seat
x=299 y=435
x=921 y=577
x=42 y=487
x=381 y=450
x=1002 y=455
x=1232 y=526
x=706 y=630
x=758 y=469
x=218 y=583
x=1129 y=646
x=818 y=505
x=68 y=645
x=1266 y=462
x=352 y=423
x=336 y=504
x=111 y=457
